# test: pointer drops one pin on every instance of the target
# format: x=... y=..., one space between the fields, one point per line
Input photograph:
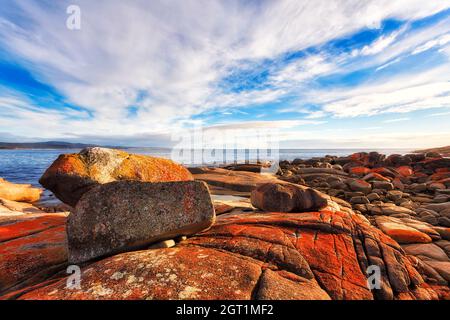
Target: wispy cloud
x=167 y=61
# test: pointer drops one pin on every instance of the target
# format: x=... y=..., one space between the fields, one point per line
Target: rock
x=163 y=244
x=361 y=171
x=9 y=208
x=359 y=185
x=441 y=198
x=32 y=248
x=418 y=187
x=250 y=167
x=442 y=267
x=19 y=192
x=438 y=207
x=384 y=185
x=400 y=232
x=127 y=215
x=385 y=172
x=72 y=175
x=375 y=177
x=232 y=181
x=273 y=286
x=394 y=195
x=444 y=221
x=387 y=209
x=257 y=256
x=426 y=251
x=284 y=197
x=359 y=200
x=405 y=171
x=373 y=196
x=444 y=232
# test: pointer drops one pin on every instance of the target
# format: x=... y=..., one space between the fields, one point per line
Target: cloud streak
x=148 y=68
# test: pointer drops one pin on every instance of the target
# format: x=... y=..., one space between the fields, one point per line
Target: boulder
x=405 y=171
x=384 y=185
x=222 y=181
x=359 y=200
x=438 y=207
x=359 y=185
x=127 y=215
x=19 y=192
x=401 y=232
x=426 y=251
x=72 y=175
x=287 y=197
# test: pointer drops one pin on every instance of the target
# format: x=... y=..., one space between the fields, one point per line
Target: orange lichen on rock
x=72 y=175
x=29 y=224
x=30 y=259
x=359 y=170
x=312 y=255
x=405 y=171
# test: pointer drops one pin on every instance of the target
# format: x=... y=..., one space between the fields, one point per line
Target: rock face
x=71 y=175
x=287 y=197
x=126 y=215
x=32 y=247
x=314 y=255
x=19 y=192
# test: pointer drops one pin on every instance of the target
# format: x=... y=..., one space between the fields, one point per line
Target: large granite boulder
x=287 y=197
x=19 y=192
x=314 y=255
x=72 y=175
x=126 y=215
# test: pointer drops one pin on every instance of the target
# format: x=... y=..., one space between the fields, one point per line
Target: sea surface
x=27 y=166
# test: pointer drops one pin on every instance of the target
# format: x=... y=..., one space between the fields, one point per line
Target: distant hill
x=48 y=145
x=445 y=151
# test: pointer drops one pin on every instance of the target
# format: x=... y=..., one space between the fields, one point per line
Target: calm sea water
x=27 y=166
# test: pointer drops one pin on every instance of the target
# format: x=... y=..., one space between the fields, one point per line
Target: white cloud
x=176 y=52
x=396 y=120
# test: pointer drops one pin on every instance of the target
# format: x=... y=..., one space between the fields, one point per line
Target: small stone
x=163 y=244
x=384 y=185
x=373 y=196
x=394 y=195
x=359 y=200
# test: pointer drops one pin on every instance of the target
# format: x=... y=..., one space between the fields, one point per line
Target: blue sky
x=324 y=73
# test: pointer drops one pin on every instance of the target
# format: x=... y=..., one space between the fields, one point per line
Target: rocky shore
x=146 y=228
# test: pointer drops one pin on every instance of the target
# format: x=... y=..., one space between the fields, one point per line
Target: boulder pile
x=141 y=228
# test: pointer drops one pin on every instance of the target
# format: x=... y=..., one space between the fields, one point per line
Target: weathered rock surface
x=400 y=231
x=32 y=247
x=19 y=192
x=237 y=181
x=127 y=215
x=72 y=175
x=287 y=197
x=315 y=255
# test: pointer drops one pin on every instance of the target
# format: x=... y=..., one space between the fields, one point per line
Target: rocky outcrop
x=315 y=255
x=19 y=192
x=72 y=175
x=127 y=215
x=287 y=197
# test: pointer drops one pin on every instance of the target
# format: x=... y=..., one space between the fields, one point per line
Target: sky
x=322 y=73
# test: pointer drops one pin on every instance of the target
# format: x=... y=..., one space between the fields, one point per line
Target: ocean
x=27 y=166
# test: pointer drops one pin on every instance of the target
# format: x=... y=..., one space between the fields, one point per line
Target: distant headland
x=50 y=145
